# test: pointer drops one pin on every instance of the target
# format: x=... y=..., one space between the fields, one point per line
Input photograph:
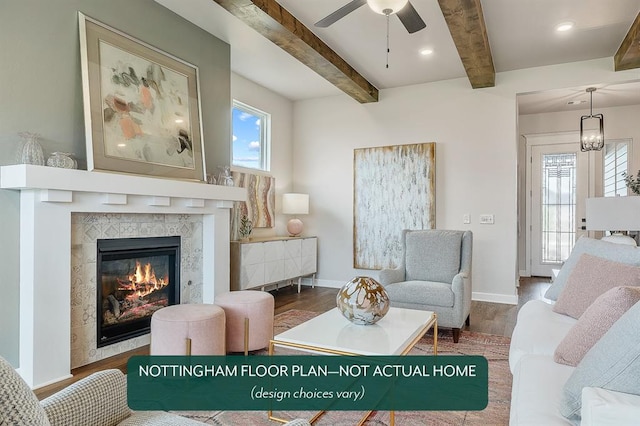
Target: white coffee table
x=331 y=333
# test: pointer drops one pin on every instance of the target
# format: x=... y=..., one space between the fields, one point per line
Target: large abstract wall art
x=394 y=189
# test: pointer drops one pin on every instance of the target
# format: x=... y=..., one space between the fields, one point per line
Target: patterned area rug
x=494 y=348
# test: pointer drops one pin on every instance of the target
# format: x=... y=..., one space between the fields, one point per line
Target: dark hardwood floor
x=491 y=318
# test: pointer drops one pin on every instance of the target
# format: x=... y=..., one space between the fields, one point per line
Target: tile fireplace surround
x=48 y=198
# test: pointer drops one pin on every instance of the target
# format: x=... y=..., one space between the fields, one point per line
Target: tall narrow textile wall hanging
x=393 y=189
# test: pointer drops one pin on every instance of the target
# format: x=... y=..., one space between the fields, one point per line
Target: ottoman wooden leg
x=188 y=341
x=246 y=336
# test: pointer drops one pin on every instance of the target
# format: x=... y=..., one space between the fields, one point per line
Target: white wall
x=476 y=161
x=619 y=123
x=281 y=110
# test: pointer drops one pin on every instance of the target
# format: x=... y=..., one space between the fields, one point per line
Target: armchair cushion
x=432 y=255
x=99 y=399
x=438 y=294
x=18 y=404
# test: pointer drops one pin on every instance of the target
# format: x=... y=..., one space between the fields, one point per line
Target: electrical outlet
x=487 y=219
x=466 y=218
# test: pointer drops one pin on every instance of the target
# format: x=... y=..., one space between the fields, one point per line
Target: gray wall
x=41 y=91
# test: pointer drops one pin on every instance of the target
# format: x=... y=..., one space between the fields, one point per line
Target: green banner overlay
x=308 y=383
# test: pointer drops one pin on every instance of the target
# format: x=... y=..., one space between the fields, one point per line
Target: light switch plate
x=487 y=219
x=466 y=218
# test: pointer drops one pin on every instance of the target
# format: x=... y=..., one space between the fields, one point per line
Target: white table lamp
x=614 y=214
x=295 y=204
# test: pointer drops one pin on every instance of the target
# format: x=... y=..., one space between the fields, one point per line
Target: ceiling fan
x=403 y=8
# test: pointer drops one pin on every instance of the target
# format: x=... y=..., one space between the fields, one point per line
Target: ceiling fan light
x=380 y=6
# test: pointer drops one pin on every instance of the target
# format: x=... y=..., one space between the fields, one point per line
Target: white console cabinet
x=258 y=262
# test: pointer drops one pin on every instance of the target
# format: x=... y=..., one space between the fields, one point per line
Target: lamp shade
x=295 y=203
x=613 y=214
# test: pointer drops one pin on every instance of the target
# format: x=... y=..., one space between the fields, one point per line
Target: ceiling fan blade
x=340 y=13
x=410 y=18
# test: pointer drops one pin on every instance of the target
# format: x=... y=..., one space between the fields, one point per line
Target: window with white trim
x=616 y=161
x=250 y=145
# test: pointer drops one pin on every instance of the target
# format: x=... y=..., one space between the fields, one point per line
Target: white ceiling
x=521 y=34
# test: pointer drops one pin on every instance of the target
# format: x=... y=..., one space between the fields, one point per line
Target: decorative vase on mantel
x=363 y=300
x=30 y=151
x=63 y=160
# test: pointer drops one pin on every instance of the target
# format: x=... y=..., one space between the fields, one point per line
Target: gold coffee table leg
x=311 y=420
x=392 y=418
x=435 y=337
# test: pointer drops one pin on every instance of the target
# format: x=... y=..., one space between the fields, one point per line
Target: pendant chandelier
x=591 y=128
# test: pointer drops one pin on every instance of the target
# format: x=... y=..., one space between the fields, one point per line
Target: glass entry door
x=559 y=187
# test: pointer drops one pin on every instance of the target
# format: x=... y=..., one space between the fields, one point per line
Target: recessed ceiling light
x=426 y=51
x=576 y=102
x=564 y=26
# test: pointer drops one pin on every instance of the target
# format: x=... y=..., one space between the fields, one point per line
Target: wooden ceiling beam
x=628 y=55
x=275 y=23
x=468 y=30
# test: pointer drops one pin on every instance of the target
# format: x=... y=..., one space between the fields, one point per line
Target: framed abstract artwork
x=394 y=189
x=260 y=204
x=141 y=106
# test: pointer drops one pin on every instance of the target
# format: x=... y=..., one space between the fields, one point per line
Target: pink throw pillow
x=591 y=277
x=594 y=323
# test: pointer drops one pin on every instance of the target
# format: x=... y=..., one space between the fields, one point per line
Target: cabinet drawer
x=274 y=271
x=252 y=254
x=273 y=250
x=291 y=268
x=309 y=247
x=292 y=249
x=308 y=266
x=251 y=276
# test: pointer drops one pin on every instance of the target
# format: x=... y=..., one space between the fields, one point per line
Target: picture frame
x=141 y=106
x=393 y=189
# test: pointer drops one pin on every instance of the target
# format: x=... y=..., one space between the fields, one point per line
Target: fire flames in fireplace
x=134 y=295
x=143 y=281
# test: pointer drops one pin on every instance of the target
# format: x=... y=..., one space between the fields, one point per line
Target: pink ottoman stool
x=188 y=329
x=249 y=315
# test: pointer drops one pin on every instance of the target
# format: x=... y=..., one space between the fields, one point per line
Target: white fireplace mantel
x=48 y=197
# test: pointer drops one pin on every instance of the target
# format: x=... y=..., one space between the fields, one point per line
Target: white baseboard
x=495 y=298
x=50 y=382
x=324 y=283
x=480 y=297
x=524 y=273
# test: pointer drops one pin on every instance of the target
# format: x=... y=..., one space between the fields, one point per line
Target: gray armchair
x=97 y=400
x=435 y=275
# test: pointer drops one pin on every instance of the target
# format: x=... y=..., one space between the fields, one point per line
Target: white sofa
x=538 y=381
